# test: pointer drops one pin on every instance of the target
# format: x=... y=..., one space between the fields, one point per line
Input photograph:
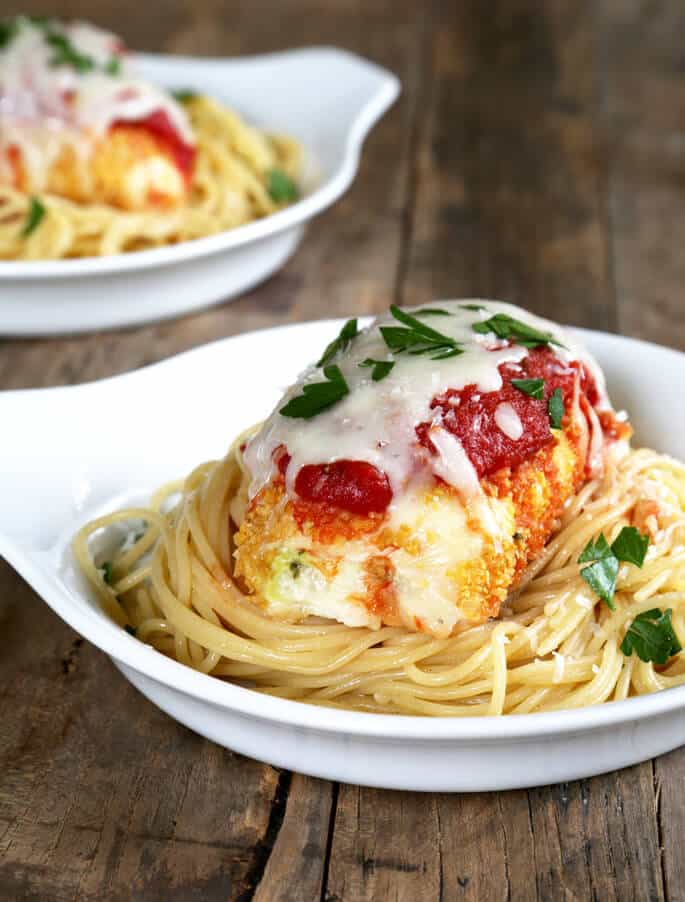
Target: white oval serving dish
x=328 y=99
x=71 y=453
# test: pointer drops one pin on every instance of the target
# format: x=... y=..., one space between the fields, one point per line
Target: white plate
x=71 y=453
x=327 y=99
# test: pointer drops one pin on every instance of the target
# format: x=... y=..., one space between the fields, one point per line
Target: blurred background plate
x=327 y=99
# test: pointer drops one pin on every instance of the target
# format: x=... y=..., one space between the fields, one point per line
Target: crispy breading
x=529 y=499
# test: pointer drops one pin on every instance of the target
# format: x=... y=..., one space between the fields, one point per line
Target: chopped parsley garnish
x=317 y=396
x=66 y=54
x=381 y=368
x=474 y=307
x=8 y=31
x=9 y=28
x=281 y=187
x=431 y=311
x=508 y=328
x=113 y=67
x=295 y=568
x=535 y=388
x=349 y=331
x=131 y=630
x=33 y=218
x=652 y=637
x=555 y=408
x=629 y=546
x=107 y=572
x=416 y=337
x=184 y=95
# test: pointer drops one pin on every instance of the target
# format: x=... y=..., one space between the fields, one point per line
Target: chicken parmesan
x=81 y=131
x=442 y=516
x=411 y=476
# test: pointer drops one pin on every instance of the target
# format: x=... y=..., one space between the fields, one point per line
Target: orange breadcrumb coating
x=535 y=493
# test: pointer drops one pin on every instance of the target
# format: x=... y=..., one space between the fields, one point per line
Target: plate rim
x=116 y=643
x=377 y=104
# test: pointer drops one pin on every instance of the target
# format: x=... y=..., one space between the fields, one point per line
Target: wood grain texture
x=643 y=105
x=535 y=155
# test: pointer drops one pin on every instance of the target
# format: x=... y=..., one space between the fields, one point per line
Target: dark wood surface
x=536 y=155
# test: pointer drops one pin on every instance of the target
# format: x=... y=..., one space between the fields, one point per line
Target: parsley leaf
x=507 y=327
x=66 y=53
x=113 y=66
x=432 y=311
x=381 y=368
x=184 y=95
x=417 y=338
x=555 y=407
x=349 y=331
x=652 y=637
x=628 y=546
x=107 y=572
x=535 y=388
x=631 y=546
x=317 y=396
x=281 y=187
x=33 y=218
x=601 y=578
x=595 y=551
x=474 y=307
x=8 y=31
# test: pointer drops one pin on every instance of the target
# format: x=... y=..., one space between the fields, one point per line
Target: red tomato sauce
x=353 y=485
x=469 y=414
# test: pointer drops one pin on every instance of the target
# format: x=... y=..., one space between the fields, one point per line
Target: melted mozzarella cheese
x=509 y=421
x=428 y=571
x=376 y=421
x=293 y=593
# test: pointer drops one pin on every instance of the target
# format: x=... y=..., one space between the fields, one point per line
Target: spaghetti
x=555 y=646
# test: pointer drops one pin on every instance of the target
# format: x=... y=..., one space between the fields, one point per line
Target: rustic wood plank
x=644 y=109
x=295 y=869
x=510 y=173
x=384 y=846
x=669 y=779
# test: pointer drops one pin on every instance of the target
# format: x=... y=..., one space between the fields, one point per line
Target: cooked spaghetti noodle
x=555 y=646
x=229 y=187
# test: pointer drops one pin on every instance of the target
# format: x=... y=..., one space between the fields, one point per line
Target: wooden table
x=536 y=155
